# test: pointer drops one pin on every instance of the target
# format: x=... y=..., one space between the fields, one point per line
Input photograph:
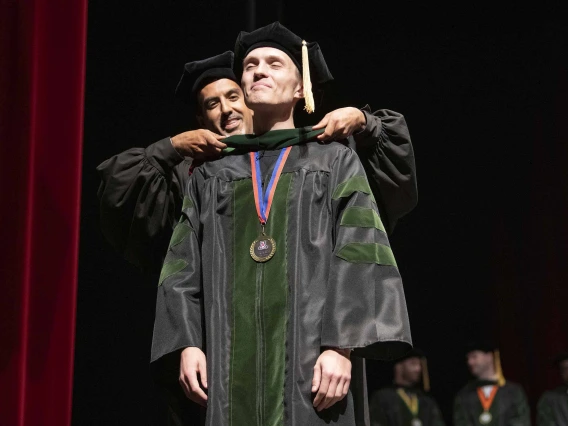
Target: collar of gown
x=272 y=140
x=478 y=383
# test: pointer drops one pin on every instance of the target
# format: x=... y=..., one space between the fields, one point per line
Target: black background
x=483 y=91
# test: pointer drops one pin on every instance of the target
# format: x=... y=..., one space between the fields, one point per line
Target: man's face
x=479 y=362
x=222 y=108
x=564 y=370
x=410 y=370
x=270 y=77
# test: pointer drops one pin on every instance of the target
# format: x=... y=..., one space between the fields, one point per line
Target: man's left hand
x=332 y=376
x=341 y=123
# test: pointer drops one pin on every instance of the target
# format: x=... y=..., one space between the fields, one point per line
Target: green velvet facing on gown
x=351 y=185
x=260 y=311
x=361 y=217
x=170 y=268
x=367 y=253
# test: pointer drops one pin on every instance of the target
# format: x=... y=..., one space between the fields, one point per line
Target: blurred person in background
x=406 y=402
x=489 y=399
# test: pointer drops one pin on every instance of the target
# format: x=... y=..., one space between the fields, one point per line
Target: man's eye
x=249 y=67
x=211 y=105
x=276 y=64
x=234 y=98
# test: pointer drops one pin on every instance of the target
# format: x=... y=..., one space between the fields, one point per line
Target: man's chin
x=261 y=99
x=239 y=130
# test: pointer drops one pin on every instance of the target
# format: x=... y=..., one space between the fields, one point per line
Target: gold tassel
x=425 y=375
x=498 y=369
x=308 y=95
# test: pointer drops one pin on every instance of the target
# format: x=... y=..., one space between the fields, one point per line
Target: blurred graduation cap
x=198 y=74
x=488 y=346
x=418 y=353
x=412 y=353
x=306 y=55
x=480 y=345
x=563 y=356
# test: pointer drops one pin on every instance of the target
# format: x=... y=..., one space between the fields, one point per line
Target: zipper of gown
x=260 y=346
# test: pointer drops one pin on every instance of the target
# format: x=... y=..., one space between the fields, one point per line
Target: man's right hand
x=192 y=364
x=200 y=144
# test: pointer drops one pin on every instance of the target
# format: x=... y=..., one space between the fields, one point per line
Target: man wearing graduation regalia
x=489 y=399
x=279 y=275
x=143 y=186
x=552 y=408
x=141 y=189
x=406 y=402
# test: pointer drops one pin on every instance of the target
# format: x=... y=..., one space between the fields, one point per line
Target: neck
x=399 y=381
x=273 y=117
x=488 y=375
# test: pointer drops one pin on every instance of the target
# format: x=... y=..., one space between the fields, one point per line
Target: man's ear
x=299 y=93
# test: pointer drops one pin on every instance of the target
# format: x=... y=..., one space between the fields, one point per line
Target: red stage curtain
x=42 y=74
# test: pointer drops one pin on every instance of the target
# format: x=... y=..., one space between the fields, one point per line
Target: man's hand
x=200 y=144
x=341 y=123
x=332 y=376
x=193 y=363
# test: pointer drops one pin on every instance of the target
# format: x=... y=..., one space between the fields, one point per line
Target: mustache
x=230 y=117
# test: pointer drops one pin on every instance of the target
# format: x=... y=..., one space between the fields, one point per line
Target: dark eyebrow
x=210 y=99
x=216 y=98
x=232 y=92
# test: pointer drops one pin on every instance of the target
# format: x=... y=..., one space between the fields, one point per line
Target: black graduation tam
x=307 y=56
x=559 y=358
x=413 y=353
x=198 y=74
x=480 y=345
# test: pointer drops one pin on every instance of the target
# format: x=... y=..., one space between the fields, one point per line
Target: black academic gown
x=552 y=408
x=333 y=282
x=509 y=408
x=388 y=409
x=141 y=189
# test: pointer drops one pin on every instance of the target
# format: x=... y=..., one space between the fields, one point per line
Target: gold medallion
x=485 y=418
x=263 y=248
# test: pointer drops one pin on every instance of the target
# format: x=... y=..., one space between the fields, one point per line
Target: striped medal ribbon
x=263 y=248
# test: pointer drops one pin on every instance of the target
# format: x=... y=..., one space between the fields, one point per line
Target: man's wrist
x=175 y=146
x=173 y=143
x=363 y=124
x=346 y=352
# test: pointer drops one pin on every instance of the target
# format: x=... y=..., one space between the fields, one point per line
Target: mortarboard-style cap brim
x=198 y=74
x=480 y=345
x=560 y=358
x=279 y=37
x=413 y=353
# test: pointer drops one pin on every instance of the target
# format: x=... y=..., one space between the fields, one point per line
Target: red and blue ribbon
x=263 y=200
